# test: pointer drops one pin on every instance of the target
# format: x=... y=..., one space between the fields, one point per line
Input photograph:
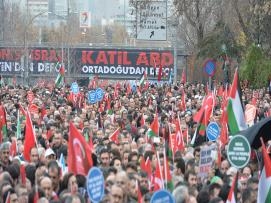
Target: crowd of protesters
x=119 y=161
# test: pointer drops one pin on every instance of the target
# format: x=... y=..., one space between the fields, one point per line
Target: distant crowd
x=129 y=162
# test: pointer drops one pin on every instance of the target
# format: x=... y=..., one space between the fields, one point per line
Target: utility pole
x=3 y=20
x=26 y=62
x=69 y=30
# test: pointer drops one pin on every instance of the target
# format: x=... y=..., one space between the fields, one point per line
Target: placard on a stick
x=238 y=152
x=95 y=184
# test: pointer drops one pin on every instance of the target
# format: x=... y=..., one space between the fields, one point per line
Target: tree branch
x=240 y=20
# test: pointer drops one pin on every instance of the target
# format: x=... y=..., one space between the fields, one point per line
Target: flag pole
x=160 y=172
x=165 y=168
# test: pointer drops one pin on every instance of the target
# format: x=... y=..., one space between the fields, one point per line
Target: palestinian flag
x=143 y=79
x=224 y=133
x=142 y=120
x=3 y=124
x=200 y=133
x=60 y=77
x=235 y=112
x=168 y=178
x=202 y=124
x=8 y=200
x=154 y=128
x=172 y=147
x=232 y=196
x=264 y=187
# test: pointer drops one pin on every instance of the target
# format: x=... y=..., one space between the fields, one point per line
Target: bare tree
x=196 y=19
x=250 y=20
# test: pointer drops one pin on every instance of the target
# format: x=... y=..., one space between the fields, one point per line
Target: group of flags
x=232 y=121
x=232 y=118
x=161 y=177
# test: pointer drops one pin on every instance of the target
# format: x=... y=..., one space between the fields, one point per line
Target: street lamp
x=66 y=18
x=26 y=51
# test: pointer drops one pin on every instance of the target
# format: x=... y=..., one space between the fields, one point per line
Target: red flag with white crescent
x=79 y=153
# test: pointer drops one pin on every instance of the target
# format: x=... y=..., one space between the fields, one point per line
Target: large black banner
x=34 y=60
x=106 y=63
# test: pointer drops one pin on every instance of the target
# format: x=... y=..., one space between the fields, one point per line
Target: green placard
x=238 y=152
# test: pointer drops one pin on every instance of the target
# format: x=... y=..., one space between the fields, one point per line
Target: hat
x=5 y=146
x=188 y=113
x=215 y=179
x=49 y=152
x=231 y=171
x=124 y=111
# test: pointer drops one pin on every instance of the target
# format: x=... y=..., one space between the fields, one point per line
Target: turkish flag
x=36 y=196
x=128 y=89
x=33 y=108
x=29 y=137
x=23 y=174
x=157 y=180
x=43 y=112
x=115 y=136
x=79 y=153
x=139 y=195
x=22 y=110
x=146 y=166
x=207 y=108
x=13 y=148
x=183 y=100
x=183 y=78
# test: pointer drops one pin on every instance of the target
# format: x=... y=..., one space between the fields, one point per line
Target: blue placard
x=209 y=67
x=162 y=196
x=95 y=184
x=99 y=94
x=75 y=88
x=92 y=97
x=213 y=131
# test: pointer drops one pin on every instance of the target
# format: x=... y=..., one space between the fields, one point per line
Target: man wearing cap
x=49 y=156
x=4 y=154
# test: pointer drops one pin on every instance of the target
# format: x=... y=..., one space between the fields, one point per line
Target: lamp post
x=67 y=19
x=26 y=51
x=258 y=26
x=225 y=66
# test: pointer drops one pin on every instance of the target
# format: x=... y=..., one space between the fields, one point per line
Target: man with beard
x=4 y=154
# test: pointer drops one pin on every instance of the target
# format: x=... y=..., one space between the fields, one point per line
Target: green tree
x=256 y=67
x=219 y=42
